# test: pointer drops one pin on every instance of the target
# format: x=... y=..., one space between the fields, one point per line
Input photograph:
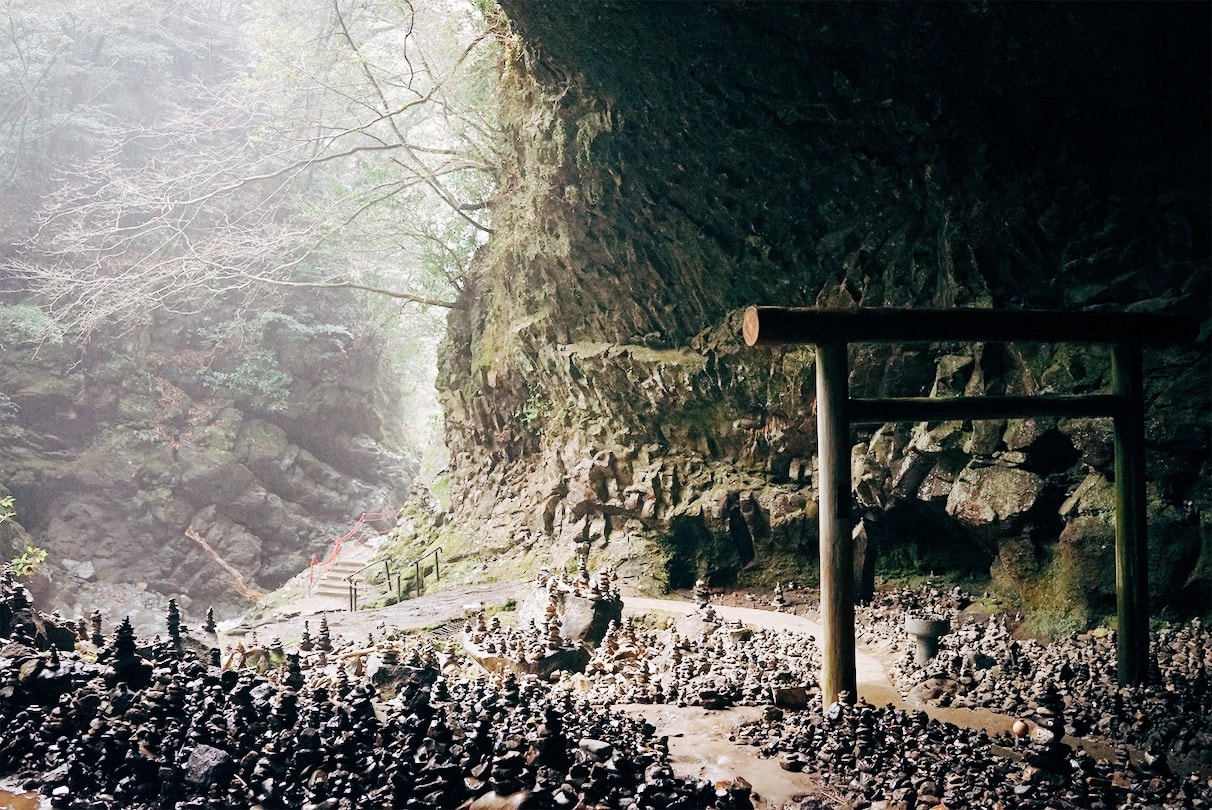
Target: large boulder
x=993 y=498
x=582 y=618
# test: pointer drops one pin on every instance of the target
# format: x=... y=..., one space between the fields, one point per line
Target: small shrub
x=22 y=323
x=27 y=561
x=257 y=381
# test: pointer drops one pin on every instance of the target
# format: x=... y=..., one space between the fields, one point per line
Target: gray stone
x=597 y=750
x=795 y=698
x=207 y=765
x=983 y=496
x=81 y=569
x=495 y=801
x=581 y=618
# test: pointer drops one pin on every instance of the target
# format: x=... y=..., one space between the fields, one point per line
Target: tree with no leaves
x=338 y=145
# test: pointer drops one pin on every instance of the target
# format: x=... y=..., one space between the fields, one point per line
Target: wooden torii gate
x=831 y=332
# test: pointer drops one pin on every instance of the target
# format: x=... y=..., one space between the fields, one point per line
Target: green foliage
x=24 y=324
x=1056 y=621
x=244 y=357
x=27 y=562
x=439 y=488
x=257 y=381
x=177 y=156
x=409 y=210
x=536 y=410
x=75 y=73
x=779 y=566
x=369 y=127
x=288 y=325
x=305 y=327
x=145 y=436
x=1053 y=601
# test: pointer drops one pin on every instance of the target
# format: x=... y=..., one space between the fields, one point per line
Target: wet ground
x=12 y=797
x=700 y=744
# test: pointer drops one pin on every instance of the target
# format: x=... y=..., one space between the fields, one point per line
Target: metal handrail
x=418 y=578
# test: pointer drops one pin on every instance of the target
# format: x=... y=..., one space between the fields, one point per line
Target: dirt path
x=868 y=669
x=699 y=744
x=699 y=748
x=421 y=613
x=871 y=668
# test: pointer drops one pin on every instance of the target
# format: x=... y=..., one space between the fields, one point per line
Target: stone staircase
x=330 y=582
x=329 y=587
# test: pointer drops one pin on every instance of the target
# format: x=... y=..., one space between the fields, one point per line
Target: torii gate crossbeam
x=831 y=332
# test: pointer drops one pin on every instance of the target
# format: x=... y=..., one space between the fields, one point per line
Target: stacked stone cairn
x=394 y=721
x=558 y=624
x=307 y=734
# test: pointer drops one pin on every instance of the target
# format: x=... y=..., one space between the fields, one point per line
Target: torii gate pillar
x=837 y=543
x=1131 y=517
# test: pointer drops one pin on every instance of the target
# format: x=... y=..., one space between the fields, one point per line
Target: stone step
x=331 y=585
x=339 y=569
x=345 y=565
x=363 y=581
x=342 y=595
x=340 y=587
x=330 y=580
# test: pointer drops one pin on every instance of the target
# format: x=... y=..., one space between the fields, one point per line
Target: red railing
x=359 y=524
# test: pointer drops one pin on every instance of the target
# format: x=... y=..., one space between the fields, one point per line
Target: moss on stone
x=779 y=566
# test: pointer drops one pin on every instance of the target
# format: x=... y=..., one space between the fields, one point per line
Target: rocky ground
x=682 y=704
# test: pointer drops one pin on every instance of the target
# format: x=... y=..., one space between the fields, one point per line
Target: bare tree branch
x=279 y=175
x=353 y=285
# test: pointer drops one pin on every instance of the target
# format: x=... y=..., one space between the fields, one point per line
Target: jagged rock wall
x=674 y=162
x=262 y=432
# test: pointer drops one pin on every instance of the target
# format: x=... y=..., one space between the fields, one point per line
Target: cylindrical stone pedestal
x=926 y=632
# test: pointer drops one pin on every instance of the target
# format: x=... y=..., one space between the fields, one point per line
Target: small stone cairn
x=557 y=625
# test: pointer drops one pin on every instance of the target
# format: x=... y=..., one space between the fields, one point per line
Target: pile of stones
x=392 y=721
x=715 y=667
x=983 y=664
x=889 y=759
x=558 y=624
x=701 y=661
x=158 y=727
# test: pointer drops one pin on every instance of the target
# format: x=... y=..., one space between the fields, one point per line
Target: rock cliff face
x=167 y=459
x=675 y=162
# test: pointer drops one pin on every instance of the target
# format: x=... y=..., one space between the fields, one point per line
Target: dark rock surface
x=114 y=451
x=674 y=162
